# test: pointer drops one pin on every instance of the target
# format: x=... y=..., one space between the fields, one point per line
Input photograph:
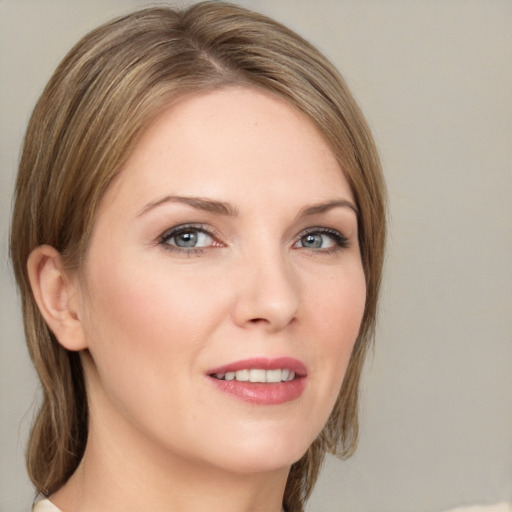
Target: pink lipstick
x=262 y=381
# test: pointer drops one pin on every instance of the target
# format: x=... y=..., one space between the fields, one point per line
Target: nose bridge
x=269 y=290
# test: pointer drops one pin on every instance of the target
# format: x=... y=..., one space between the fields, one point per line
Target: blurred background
x=435 y=81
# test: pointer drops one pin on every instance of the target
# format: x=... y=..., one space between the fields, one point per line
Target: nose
x=267 y=293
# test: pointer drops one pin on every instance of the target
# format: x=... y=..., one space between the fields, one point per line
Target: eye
x=323 y=239
x=187 y=239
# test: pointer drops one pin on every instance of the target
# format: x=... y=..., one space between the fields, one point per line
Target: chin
x=267 y=462
x=264 y=453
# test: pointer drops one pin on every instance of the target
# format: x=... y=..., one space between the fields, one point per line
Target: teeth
x=273 y=375
x=258 y=375
x=242 y=375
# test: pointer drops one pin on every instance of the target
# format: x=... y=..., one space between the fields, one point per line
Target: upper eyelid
x=183 y=227
x=321 y=229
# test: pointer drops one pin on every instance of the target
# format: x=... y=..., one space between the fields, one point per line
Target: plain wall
x=435 y=81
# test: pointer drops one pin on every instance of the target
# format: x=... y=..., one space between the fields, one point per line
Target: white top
x=45 y=506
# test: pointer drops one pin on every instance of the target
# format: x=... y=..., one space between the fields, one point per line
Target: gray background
x=435 y=81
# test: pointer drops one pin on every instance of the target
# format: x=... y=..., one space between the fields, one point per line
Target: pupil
x=187 y=239
x=314 y=241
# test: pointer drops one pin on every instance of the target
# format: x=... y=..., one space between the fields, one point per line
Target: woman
x=198 y=238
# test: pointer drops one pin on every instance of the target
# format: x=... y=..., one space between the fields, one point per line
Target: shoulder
x=45 y=506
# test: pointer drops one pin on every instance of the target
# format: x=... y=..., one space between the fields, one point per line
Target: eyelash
x=340 y=241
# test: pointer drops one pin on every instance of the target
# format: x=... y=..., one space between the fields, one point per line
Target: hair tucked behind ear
x=87 y=121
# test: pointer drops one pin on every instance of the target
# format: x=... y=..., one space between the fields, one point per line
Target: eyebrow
x=328 y=205
x=222 y=208
x=200 y=203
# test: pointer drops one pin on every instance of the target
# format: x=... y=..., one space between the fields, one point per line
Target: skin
x=151 y=319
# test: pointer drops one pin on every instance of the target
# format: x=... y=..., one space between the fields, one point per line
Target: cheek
x=139 y=325
x=338 y=315
x=145 y=301
x=145 y=335
x=340 y=305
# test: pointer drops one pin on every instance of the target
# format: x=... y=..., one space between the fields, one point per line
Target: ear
x=56 y=296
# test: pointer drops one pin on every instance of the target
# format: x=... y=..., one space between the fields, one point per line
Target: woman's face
x=226 y=250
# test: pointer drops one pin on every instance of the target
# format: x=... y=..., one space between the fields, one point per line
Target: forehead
x=236 y=142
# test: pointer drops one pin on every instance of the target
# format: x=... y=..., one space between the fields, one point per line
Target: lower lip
x=262 y=393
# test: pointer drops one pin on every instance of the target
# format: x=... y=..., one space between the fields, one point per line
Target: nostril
x=258 y=320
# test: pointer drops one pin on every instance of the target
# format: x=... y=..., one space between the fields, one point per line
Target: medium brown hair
x=92 y=112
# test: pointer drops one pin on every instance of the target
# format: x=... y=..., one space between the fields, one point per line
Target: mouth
x=257 y=375
x=262 y=381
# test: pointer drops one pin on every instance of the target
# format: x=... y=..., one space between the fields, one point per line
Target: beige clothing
x=45 y=506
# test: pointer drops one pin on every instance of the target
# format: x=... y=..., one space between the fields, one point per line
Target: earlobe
x=55 y=295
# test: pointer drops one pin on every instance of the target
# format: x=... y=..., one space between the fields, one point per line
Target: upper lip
x=263 y=363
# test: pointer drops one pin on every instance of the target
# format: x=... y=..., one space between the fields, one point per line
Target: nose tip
x=267 y=297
